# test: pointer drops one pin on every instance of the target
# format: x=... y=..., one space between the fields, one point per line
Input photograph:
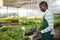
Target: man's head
x=43 y=6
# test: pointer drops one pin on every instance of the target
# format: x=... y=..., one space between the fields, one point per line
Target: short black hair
x=43 y=2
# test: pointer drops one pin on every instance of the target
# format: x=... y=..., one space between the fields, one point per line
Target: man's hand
x=38 y=31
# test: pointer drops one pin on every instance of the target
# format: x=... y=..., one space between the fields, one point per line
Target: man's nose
x=43 y=7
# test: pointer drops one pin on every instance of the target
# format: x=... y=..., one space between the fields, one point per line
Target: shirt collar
x=46 y=11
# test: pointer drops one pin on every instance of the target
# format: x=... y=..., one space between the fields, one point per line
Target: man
x=47 y=29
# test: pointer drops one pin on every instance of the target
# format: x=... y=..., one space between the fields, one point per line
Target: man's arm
x=50 y=20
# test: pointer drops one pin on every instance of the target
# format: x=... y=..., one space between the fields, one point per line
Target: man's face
x=43 y=7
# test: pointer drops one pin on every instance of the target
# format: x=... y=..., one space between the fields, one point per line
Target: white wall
x=29 y=9
x=6 y=11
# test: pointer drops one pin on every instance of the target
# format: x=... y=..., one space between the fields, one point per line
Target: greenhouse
x=20 y=19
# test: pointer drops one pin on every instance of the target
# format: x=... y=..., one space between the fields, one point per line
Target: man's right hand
x=38 y=31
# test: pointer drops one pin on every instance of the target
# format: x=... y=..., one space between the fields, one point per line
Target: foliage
x=57 y=20
x=11 y=33
x=16 y=33
x=8 y=20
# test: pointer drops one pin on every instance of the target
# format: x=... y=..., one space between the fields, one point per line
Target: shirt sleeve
x=50 y=19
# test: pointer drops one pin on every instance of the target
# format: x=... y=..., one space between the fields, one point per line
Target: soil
x=57 y=33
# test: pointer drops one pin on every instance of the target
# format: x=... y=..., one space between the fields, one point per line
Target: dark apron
x=47 y=35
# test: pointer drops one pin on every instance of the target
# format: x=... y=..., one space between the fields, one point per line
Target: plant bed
x=11 y=24
x=7 y=22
